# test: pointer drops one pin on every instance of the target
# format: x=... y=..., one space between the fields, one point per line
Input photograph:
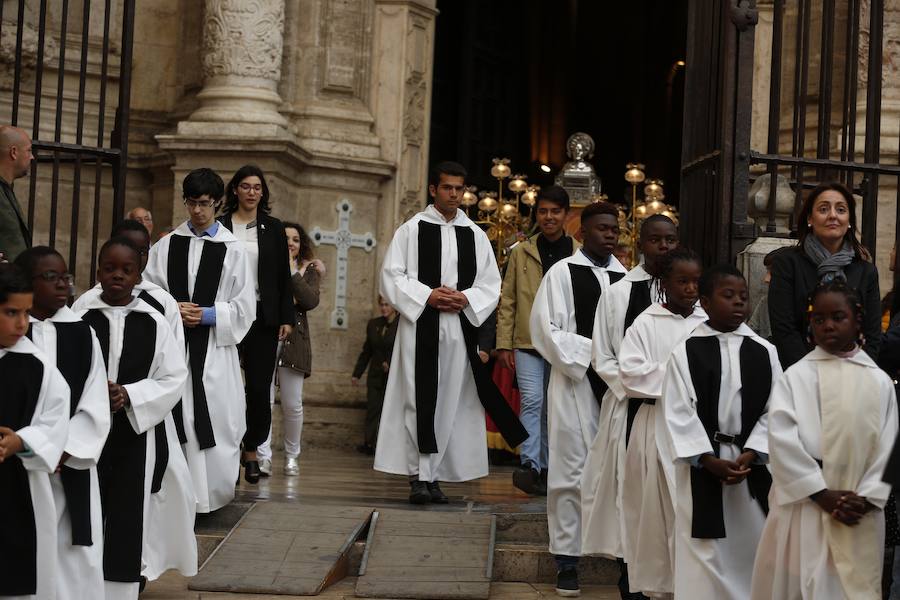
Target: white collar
x=431 y=215
x=23 y=346
x=638 y=273
x=861 y=358
x=658 y=310
x=222 y=234
x=93 y=301
x=63 y=315
x=704 y=330
x=579 y=258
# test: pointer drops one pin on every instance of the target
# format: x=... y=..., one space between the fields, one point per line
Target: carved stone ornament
x=244 y=38
x=29 y=52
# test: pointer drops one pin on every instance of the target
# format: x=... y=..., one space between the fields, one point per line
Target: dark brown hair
x=306 y=252
x=804 y=230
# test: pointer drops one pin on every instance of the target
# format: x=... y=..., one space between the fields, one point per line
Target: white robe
x=649 y=485
x=173 y=508
x=794 y=560
x=151 y=401
x=714 y=568
x=215 y=469
x=45 y=437
x=601 y=489
x=80 y=568
x=572 y=409
x=459 y=424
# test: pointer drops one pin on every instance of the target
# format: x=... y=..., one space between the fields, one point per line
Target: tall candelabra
x=652 y=204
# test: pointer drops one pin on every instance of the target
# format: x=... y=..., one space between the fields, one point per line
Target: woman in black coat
x=246 y=214
x=827 y=249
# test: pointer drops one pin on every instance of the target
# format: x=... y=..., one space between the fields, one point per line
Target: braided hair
x=666 y=264
x=837 y=286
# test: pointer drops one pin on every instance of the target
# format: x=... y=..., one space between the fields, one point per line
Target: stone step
x=527 y=528
x=533 y=563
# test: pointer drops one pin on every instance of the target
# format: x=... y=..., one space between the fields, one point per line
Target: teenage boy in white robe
x=562 y=320
x=716 y=395
x=173 y=504
x=147 y=372
x=34 y=424
x=648 y=487
x=206 y=269
x=71 y=345
x=832 y=423
x=440 y=274
x=601 y=491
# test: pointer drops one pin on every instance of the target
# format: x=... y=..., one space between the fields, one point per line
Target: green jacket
x=520 y=284
x=14 y=235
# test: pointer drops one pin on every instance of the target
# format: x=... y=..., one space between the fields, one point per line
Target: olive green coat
x=296 y=353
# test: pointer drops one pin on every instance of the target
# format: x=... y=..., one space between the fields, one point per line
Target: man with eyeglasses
x=15 y=162
x=207 y=271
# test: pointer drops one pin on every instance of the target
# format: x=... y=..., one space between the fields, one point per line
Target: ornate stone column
x=242 y=52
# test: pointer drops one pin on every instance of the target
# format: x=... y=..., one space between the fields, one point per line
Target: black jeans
x=258 y=356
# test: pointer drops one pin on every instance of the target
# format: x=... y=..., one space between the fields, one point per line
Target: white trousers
x=291 y=383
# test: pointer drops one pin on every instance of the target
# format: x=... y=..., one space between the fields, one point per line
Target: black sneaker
x=527 y=480
x=567 y=584
x=418 y=493
x=437 y=496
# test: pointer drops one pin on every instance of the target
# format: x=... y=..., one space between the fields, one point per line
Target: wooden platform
x=427 y=555
x=281 y=548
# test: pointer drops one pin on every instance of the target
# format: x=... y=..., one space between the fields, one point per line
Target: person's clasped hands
x=446 y=299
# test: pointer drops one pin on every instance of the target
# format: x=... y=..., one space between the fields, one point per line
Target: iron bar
x=61 y=73
x=107 y=153
x=17 y=72
x=54 y=199
x=82 y=72
x=104 y=67
x=122 y=111
x=864 y=167
x=849 y=41
x=854 y=85
x=873 y=122
x=39 y=72
x=76 y=208
x=774 y=108
x=804 y=94
x=826 y=64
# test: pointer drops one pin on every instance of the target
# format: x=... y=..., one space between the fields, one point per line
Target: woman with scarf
x=828 y=250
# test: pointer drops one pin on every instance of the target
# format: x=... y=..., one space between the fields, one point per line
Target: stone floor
x=346 y=478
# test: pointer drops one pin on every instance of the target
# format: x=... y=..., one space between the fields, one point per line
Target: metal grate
x=78 y=174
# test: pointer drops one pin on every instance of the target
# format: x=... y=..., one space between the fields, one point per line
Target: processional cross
x=343 y=240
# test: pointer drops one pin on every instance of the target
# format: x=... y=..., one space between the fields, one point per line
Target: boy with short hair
x=562 y=321
x=528 y=262
x=34 y=424
x=716 y=395
x=207 y=271
x=146 y=371
x=71 y=345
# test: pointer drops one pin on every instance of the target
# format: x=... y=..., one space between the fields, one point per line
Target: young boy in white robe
x=34 y=424
x=440 y=274
x=147 y=371
x=562 y=320
x=716 y=394
x=206 y=269
x=832 y=423
x=71 y=345
x=173 y=504
x=601 y=490
x=649 y=510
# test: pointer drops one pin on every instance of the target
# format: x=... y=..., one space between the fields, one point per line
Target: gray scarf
x=829 y=266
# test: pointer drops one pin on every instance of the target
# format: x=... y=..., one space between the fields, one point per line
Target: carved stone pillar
x=242 y=51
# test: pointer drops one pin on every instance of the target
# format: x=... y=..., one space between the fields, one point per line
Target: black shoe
x=567 y=584
x=526 y=479
x=142 y=585
x=363 y=448
x=437 y=496
x=418 y=493
x=251 y=471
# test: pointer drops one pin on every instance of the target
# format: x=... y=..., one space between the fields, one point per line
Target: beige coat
x=520 y=284
x=296 y=353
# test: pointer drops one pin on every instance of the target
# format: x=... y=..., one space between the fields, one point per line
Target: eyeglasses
x=190 y=203
x=246 y=187
x=54 y=277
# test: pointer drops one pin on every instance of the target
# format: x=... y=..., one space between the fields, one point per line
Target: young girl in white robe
x=649 y=473
x=147 y=371
x=832 y=423
x=716 y=392
x=71 y=345
x=34 y=424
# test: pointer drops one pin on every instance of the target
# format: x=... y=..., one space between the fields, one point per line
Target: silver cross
x=343 y=240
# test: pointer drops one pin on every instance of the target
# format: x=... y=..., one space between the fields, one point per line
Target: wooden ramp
x=412 y=554
x=281 y=548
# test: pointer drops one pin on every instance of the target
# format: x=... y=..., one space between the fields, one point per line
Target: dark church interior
x=514 y=78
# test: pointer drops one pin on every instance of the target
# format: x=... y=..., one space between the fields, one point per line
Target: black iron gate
x=73 y=160
x=824 y=41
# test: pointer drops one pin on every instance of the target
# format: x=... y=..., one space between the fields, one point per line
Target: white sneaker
x=265 y=467
x=291 y=466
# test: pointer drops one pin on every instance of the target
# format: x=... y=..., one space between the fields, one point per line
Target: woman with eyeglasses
x=246 y=214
